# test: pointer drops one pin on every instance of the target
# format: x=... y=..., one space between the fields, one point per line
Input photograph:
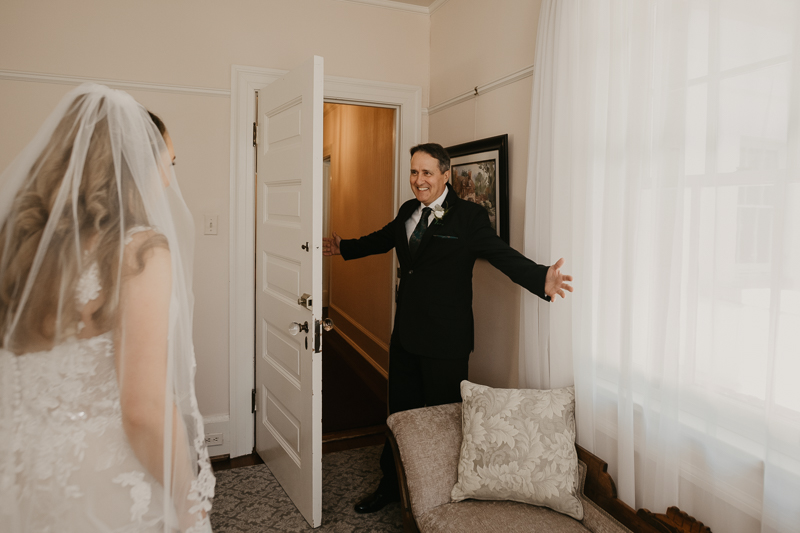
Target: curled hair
x=89 y=228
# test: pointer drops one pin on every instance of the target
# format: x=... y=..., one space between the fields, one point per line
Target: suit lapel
x=403 y=252
x=450 y=202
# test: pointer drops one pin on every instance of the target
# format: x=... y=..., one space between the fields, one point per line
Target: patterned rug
x=251 y=499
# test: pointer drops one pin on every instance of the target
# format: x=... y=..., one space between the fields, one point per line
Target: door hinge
x=253 y=401
x=255 y=134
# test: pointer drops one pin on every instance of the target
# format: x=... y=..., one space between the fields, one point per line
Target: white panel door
x=288 y=266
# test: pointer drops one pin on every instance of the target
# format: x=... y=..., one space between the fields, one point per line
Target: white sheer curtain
x=665 y=166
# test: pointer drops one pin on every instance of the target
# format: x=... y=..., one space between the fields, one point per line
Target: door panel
x=288 y=266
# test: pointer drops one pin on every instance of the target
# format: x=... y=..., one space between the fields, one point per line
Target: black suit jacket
x=434 y=300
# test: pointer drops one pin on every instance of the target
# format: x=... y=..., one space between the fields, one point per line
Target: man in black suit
x=437 y=238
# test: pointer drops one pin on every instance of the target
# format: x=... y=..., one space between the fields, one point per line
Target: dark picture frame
x=479 y=174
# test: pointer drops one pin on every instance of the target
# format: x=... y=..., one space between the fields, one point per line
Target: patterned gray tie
x=419 y=231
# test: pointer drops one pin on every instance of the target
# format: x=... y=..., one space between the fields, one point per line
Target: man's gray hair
x=436 y=151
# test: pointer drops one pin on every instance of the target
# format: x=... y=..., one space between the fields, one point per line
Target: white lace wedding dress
x=67 y=464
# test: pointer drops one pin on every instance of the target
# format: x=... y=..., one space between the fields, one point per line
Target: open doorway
x=359 y=146
x=246 y=82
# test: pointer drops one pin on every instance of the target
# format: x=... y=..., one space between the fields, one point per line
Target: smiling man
x=437 y=238
x=427 y=179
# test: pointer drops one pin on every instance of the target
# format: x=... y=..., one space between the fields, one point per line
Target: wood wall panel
x=360 y=142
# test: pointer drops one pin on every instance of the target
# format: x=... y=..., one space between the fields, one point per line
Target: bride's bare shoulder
x=145 y=246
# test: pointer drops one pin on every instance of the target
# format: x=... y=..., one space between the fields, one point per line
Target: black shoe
x=377 y=501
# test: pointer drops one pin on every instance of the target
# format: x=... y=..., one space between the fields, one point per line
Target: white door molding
x=245 y=81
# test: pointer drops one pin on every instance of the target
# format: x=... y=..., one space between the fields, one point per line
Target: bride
x=97 y=397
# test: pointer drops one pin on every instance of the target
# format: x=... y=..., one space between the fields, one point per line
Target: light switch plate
x=210 y=223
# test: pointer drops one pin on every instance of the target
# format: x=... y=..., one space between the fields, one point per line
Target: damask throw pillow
x=519 y=444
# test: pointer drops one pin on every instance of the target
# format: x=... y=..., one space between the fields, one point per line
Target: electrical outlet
x=213 y=439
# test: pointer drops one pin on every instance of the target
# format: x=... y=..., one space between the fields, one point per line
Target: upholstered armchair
x=427 y=445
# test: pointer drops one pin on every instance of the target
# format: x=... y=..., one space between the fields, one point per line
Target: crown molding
x=436 y=5
x=15 y=75
x=391 y=4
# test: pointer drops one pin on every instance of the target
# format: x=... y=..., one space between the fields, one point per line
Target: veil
x=96 y=247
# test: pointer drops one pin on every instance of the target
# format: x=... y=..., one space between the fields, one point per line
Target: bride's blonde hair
x=91 y=229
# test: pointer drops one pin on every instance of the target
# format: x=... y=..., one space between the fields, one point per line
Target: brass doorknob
x=327 y=324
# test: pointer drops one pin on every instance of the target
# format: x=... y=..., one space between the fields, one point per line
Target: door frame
x=245 y=81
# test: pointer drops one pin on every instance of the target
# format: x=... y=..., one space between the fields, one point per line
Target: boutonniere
x=439 y=213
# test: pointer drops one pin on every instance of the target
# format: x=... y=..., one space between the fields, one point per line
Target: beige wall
x=463 y=44
x=474 y=42
x=194 y=44
x=185 y=42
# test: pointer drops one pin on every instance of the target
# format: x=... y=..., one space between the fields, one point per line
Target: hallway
x=353 y=398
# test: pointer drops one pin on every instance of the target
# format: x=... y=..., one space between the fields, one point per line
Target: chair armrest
x=428 y=449
x=409 y=523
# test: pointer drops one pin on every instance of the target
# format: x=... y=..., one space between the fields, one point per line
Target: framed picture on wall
x=479 y=174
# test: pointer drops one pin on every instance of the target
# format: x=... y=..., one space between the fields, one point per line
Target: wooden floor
x=353 y=403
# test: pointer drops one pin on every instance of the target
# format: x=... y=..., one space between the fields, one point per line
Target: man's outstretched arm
x=545 y=282
x=378 y=242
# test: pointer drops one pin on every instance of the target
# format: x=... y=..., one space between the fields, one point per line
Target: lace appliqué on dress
x=140 y=493
x=88 y=287
x=133 y=231
x=62 y=409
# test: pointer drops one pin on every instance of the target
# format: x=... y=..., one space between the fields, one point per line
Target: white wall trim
x=15 y=75
x=390 y=4
x=216 y=419
x=482 y=89
x=245 y=81
x=401 y=6
x=436 y=5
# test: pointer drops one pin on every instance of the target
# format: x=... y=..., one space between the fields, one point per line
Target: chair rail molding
x=479 y=90
x=38 y=77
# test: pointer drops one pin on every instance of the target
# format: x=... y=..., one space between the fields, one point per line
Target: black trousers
x=416 y=381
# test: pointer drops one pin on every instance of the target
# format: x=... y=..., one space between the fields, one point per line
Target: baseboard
x=353 y=438
x=224 y=462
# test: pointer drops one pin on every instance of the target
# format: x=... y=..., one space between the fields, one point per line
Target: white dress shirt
x=412 y=221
